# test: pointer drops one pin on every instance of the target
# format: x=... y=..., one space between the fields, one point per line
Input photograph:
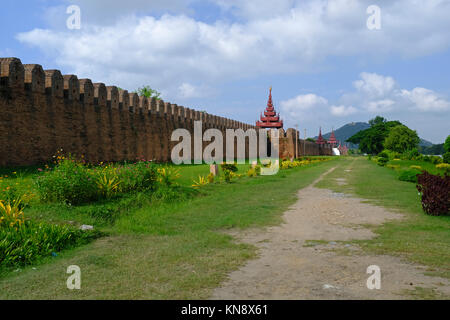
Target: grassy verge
x=418 y=237
x=161 y=250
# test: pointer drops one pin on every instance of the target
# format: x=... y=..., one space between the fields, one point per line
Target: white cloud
x=426 y=100
x=300 y=105
x=342 y=111
x=189 y=91
x=374 y=85
x=286 y=37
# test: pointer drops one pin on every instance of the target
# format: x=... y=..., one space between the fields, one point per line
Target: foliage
x=251 y=172
x=31 y=241
x=228 y=175
x=73 y=182
x=412 y=154
x=11 y=214
x=383 y=158
x=140 y=176
x=202 y=181
x=311 y=139
x=167 y=176
x=443 y=166
x=401 y=139
x=433 y=149
x=372 y=139
x=69 y=182
x=447 y=144
x=107 y=186
x=409 y=175
x=147 y=91
x=229 y=166
x=434 y=190
x=211 y=177
x=446 y=157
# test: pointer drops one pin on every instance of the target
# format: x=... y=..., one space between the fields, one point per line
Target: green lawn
x=157 y=249
x=418 y=237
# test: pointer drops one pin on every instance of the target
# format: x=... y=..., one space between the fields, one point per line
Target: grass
x=160 y=250
x=418 y=237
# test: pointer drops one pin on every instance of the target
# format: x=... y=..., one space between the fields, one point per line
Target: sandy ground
x=291 y=266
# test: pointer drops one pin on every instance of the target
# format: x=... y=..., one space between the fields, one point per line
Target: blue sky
x=325 y=66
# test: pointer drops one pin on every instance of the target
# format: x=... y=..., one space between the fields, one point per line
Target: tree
x=377 y=120
x=401 y=139
x=447 y=144
x=148 y=92
x=372 y=139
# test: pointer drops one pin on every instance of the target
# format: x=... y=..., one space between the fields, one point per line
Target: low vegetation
x=43 y=208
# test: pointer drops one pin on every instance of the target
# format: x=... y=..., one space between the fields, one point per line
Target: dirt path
x=291 y=266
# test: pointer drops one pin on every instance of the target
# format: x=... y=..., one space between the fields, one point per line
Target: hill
x=346 y=131
x=350 y=129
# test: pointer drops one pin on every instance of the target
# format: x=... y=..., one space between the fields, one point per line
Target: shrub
x=411 y=154
x=229 y=166
x=251 y=172
x=443 y=166
x=141 y=176
x=202 y=181
x=434 y=191
x=69 y=182
x=382 y=161
x=31 y=241
x=409 y=175
x=228 y=176
x=436 y=160
x=211 y=177
x=11 y=214
x=167 y=176
x=446 y=157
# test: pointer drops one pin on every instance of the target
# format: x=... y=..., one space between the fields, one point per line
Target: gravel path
x=292 y=266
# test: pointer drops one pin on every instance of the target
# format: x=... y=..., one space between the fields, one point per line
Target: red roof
x=332 y=139
x=270 y=119
x=320 y=140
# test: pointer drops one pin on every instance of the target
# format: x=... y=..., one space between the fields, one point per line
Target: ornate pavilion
x=270 y=119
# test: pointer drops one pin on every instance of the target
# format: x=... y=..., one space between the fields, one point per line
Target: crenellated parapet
x=44 y=110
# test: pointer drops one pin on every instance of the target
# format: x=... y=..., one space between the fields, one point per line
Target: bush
x=436 y=160
x=73 y=182
x=382 y=161
x=251 y=172
x=409 y=175
x=434 y=191
x=411 y=154
x=443 y=166
x=446 y=157
x=228 y=176
x=26 y=244
x=142 y=176
x=229 y=166
x=69 y=182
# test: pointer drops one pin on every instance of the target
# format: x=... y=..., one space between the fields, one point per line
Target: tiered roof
x=270 y=118
x=332 y=139
x=320 y=140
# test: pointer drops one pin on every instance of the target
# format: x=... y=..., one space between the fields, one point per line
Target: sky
x=329 y=62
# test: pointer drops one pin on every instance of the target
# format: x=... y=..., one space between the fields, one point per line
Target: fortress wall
x=43 y=111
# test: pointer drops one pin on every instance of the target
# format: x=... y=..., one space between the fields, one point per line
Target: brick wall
x=42 y=111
